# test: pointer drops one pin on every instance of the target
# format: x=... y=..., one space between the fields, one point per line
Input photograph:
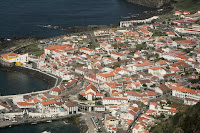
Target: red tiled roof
x=48 y=102
x=113 y=98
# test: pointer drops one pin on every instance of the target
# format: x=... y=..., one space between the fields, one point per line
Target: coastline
x=70 y=119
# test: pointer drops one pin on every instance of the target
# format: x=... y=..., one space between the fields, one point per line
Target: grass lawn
x=38 y=53
x=33 y=46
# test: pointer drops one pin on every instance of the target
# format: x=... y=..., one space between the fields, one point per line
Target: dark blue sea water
x=19 y=83
x=54 y=127
x=20 y=18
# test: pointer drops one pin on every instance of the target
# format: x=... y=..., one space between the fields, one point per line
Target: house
x=105 y=77
x=163 y=89
x=71 y=107
x=182 y=92
x=118 y=56
x=87 y=51
x=134 y=85
x=65 y=48
x=172 y=111
x=139 y=67
x=138 y=128
x=161 y=63
x=44 y=106
x=4 y=108
x=130 y=115
x=189 y=101
x=18 y=58
x=25 y=105
x=157 y=71
x=81 y=71
x=99 y=108
x=111 y=124
x=173 y=55
x=91 y=92
x=56 y=91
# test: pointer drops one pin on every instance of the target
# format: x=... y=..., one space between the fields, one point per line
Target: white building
x=114 y=101
x=185 y=93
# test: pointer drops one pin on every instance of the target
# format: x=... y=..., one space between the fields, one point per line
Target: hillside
x=186 y=5
x=182 y=122
x=151 y=3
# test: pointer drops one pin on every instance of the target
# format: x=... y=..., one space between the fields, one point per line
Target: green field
x=33 y=48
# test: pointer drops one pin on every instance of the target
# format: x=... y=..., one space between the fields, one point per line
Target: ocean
x=53 y=127
x=20 y=18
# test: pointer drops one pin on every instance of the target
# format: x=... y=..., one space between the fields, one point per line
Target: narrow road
x=92 y=39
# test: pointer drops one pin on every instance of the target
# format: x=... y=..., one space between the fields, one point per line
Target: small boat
x=10 y=126
x=34 y=123
x=125 y=17
x=46 y=132
x=65 y=122
x=49 y=121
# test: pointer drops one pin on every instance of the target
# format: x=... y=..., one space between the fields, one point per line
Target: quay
x=7 y=123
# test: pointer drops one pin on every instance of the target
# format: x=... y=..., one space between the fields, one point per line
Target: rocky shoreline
x=151 y=3
x=76 y=29
x=148 y=14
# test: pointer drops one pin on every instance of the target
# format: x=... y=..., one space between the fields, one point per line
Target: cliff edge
x=151 y=3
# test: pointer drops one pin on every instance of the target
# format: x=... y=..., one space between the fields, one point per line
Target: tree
x=81 y=98
x=144 y=85
x=119 y=59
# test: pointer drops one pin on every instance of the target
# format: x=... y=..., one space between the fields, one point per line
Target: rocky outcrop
x=151 y=3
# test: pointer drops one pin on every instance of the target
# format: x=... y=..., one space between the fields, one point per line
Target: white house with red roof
x=157 y=71
x=91 y=92
x=65 y=48
x=134 y=85
x=140 y=67
x=105 y=77
x=118 y=56
x=189 y=101
x=26 y=105
x=87 y=51
x=71 y=107
x=111 y=124
x=18 y=58
x=183 y=92
x=173 y=55
x=161 y=63
x=107 y=47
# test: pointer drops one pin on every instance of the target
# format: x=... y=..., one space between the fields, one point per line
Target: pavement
x=92 y=39
x=89 y=123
